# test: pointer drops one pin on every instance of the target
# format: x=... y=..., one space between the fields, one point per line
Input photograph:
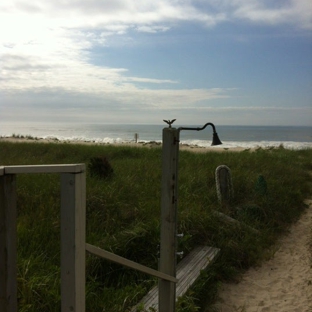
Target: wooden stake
x=73 y=236
x=169 y=196
x=8 y=244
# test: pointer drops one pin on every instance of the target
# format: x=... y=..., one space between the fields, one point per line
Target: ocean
x=290 y=137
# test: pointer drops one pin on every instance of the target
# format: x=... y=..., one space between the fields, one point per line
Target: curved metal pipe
x=199 y=129
x=215 y=138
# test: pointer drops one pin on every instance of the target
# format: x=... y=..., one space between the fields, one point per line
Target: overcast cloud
x=82 y=60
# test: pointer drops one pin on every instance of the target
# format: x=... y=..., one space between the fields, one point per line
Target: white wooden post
x=169 y=196
x=8 y=247
x=73 y=227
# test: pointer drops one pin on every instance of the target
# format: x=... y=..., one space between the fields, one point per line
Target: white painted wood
x=188 y=270
x=73 y=223
x=69 y=168
x=128 y=263
x=73 y=227
x=169 y=196
x=8 y=244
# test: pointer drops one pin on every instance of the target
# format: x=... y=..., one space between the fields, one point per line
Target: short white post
x=169 y=196
x=8 y=244
x=73 y=232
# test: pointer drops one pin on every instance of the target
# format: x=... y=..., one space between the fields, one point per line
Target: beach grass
x=123 y=216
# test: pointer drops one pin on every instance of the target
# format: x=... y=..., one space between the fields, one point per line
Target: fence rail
x=128 y=263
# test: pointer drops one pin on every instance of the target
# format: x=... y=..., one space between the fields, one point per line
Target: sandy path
x=284 y=283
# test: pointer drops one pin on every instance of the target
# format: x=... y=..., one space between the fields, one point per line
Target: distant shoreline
x=242 y=137
x=151 y=144
x=148 y=144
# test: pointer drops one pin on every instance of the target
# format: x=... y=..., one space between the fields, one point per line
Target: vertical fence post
x=167 y=262
x=73 y=227
x=8 y=243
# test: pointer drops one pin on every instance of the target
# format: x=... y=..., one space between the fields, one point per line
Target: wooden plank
x=73 y=236
x=62 y=168
x=188 y=270
x=1 y=170
x=228 y=219
x=128 y=263
x=8 y=244
x=169 y=196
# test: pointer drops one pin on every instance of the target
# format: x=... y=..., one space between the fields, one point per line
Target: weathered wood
x=8 y=244
x=188 y=270
x=73 y=227
x=224 y=185
x=169 y=196
x=128 y=263
x=73 y=211
x=69 y=168
x=228 y=219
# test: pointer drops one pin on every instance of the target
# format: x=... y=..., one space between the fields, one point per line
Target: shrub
x=100 y=167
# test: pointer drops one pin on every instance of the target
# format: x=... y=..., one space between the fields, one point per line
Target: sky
x=230 y=62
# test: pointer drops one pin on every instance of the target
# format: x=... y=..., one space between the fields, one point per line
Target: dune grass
x=123 y=216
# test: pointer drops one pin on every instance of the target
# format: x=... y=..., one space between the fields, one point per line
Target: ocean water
x=231 y=136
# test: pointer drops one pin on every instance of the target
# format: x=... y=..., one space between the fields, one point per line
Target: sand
x=282 y=284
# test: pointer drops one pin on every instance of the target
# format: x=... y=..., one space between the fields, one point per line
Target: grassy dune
x=123 y=216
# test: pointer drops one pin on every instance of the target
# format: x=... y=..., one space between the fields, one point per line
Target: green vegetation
x=28 y=136
x=123 y=216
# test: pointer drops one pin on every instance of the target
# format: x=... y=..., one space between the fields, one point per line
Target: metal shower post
x=169 y=204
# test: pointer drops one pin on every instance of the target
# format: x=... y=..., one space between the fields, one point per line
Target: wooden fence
x=73 y=237
x=73 y=234
x=73 y=225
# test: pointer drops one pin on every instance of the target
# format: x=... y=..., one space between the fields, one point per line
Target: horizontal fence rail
x=128 y=263
x=76 y=168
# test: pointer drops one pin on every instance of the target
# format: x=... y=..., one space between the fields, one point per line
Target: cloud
x=294 y=12
x=63 y=106
x=255 y=109
x=123 y=97
x=45 y=47
x=152 y=29
x=55 y=28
